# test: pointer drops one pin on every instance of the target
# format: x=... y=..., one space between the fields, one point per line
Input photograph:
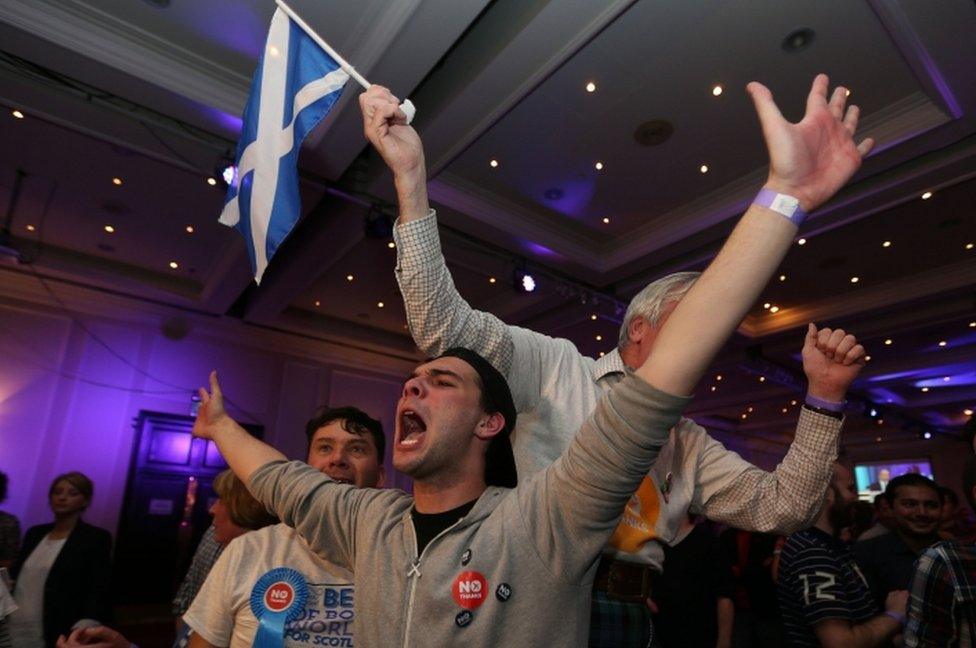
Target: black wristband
x=825 y=412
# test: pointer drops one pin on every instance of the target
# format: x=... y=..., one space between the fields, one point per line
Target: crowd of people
x=558 y=500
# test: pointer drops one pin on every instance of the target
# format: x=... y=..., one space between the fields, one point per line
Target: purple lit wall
x=54 y=419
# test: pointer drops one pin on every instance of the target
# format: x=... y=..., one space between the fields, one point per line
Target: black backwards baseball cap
x=497 y=397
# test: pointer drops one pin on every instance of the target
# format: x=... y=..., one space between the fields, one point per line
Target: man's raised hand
x=831 y=360
x=813 y=159
x=386 y=128
x=211 y=413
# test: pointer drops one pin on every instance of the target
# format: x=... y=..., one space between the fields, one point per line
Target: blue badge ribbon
x=278 y=597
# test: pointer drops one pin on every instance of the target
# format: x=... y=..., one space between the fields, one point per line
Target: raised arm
x=811 y=161
x=242 y=452
x=731 y=490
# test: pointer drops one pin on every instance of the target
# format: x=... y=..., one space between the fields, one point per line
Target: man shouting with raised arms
x=464 y=561
x=555 y=387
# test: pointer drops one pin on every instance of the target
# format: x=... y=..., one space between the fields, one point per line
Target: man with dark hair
x=465 y=563
x=824 y=599
x=347 y=445
x=942 y=606
x=882 y=519
x=888 y=561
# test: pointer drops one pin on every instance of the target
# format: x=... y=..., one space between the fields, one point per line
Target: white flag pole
x=407 y=106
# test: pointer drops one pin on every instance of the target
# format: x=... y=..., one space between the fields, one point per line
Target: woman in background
x=62 y=573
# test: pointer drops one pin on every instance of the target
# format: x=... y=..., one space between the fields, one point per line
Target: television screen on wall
x=872 y=477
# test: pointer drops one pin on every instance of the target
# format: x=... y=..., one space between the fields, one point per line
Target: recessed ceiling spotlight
x=878 y=439
x=745 y=416
x=785 y=410
x=782 y=277
x=16 y=113
x=888 y=342
x=767 y=305
x=718 y=377
x=391 y=245
x=925 y=389
x=598 y=166
x=590 y=86
x=798 y=40
x=716 y=90
x=886 y=244
x=967 y=412
x=380 y=304
x=927 y=435
x=493 y=164
x=942 y=343
x=793 y=402
x=969 y=246
x=117 y=182
x=867 y=358
x=749 y=409
x=189 y=229
x=491 y=280
x=318 y=303
x=972 y=325
x=350 y=277
x=212 y=182
x=926 y=195
x=599 y=338
x=946 y=378
x=714 y=387
x=762 y=378
x=30 y=228
x=801 y=241
x=109 y=229
x=774 y=309
x=602 y=353
x=174 y=265
x=855 y=279
x=606 y=220
x=593 y=316
x=703 y=168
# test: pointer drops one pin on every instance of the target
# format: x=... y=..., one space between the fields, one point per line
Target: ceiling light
x=878 y=439
x=888 y=342
x=969 y=246
x=109 y=229
x=593 y=316
x=318 y=303
x=598 y=166
x=117 y=181
x=606 y=220
x=855 y=279
x=718 y=377
x=762 y=378
x=349 y=277
x=785 y=410
x=926 y=195
x=792 y=402
x=782 y=277
x=802 y=241
x=880 y=421
x=491 y=280
x=749 y=409
x=714 y=387
x=774 y=309
x=380 y=304
x=767 y=305
x=523 y=281
x=716 y=90
x=174 y=265
x=493 y=164
x=30 y=228
x=925 y=389
x=599 y=338
x=590 y=86
x=972 y=325
x=927 y=435
x=189 y=229
x=942 y=343
x=745 y=416
x=886 y=244
x=847 y=92
x=946 y=379
x=602 y=354
x=867 y=358
x=212 y=182
x=16 y=113
x=703 y=168
x=967 y=412
x=391 y=245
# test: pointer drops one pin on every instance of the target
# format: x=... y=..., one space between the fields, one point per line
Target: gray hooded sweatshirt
x=516 y=570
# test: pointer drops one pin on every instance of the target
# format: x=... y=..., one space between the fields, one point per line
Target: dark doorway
x=168 y=494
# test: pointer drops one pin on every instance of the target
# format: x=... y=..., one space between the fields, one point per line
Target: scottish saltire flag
x=295 y=86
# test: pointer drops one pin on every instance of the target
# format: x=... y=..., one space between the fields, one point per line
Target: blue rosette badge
x=278 y=597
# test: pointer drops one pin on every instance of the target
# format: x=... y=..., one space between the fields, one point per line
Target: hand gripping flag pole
x=407 y=106
x=298 y=80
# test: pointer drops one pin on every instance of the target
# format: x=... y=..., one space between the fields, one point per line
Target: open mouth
x=412 y=428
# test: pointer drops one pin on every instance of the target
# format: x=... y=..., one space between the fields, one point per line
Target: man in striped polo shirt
x=823 y=596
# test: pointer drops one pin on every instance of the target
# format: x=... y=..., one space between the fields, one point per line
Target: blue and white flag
x=295 y=86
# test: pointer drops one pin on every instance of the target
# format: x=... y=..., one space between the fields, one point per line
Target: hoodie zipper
x=416 y=576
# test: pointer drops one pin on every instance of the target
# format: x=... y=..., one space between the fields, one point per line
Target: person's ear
x=489 y=426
